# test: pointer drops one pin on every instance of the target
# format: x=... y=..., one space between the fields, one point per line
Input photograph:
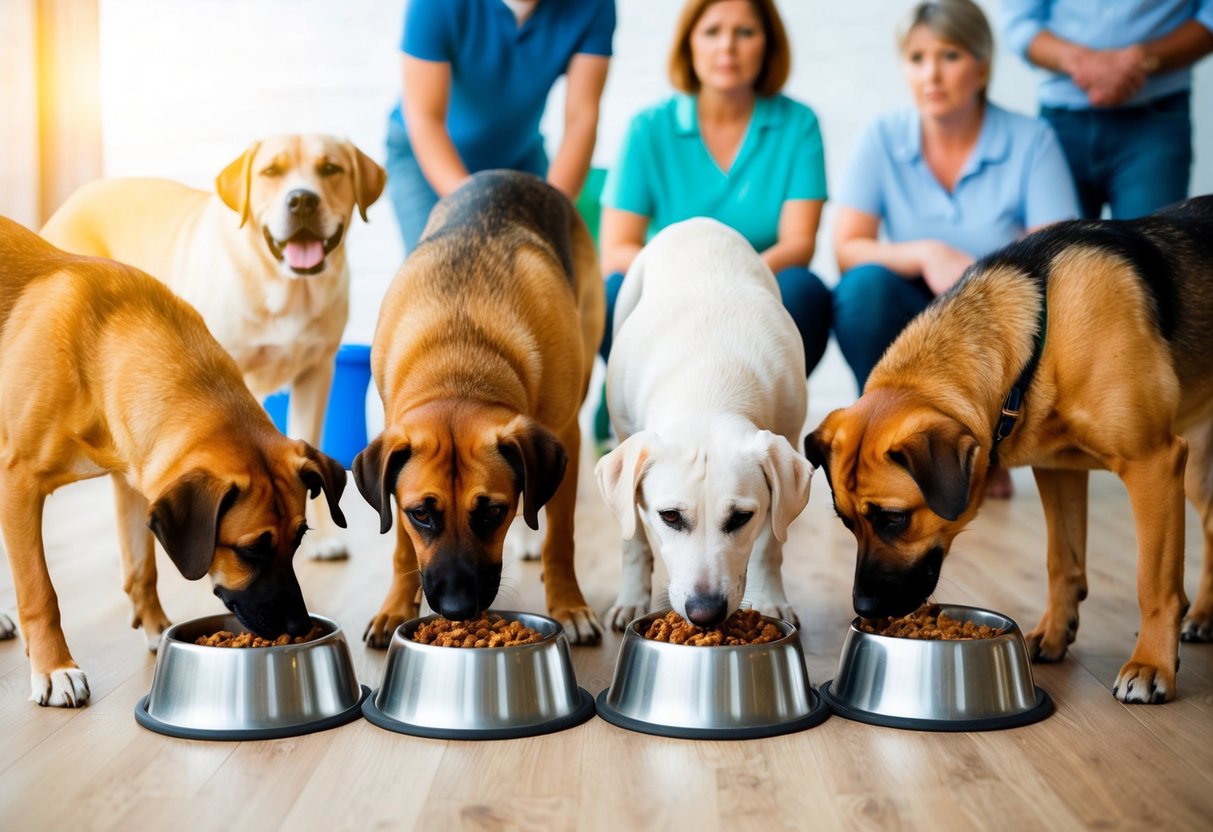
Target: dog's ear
x=619 y=475
x=788 y=474
x=320 y=472
x=817 y=444
x=369 y=179
x=234 y=184
x=940 y=461
x=376 y=469
x=538 y=459
x=185 y=519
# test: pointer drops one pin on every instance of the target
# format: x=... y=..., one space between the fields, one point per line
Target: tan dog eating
x=262 y=259
x=1123 y=381
x=482 y=356
x=104 y=370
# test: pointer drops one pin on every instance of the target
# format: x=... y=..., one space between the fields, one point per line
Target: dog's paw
x=380 y=629
x=522 y=542
x=581 y=625
x=66 y=687
x=7 y=628
x=1140 y=683
x=622 y=614
x=330 y=548
x=154 y=624
x=1197 y=627
x=1048 y=644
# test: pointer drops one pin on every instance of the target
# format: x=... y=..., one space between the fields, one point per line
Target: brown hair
x=776 y=60
x=960 y=22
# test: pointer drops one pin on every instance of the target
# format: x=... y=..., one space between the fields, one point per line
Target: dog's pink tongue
x=304 y=255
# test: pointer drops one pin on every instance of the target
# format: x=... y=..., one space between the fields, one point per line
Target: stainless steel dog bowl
x=974 y=685
x=479 y=693
x=227 y=693
x=727 y=692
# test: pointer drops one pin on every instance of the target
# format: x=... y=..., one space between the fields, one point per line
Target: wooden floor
x=1094 y=764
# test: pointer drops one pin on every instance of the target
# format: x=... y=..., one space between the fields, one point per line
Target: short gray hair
x=960 y=22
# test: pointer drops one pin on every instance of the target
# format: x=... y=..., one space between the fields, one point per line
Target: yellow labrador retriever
x=262 y=260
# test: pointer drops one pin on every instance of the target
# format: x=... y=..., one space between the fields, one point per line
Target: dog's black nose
x=707 y=610
x=867 y=606
x=302 y=203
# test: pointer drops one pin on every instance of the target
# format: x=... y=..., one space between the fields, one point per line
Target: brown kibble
x=224 y=638
x=928 y=622
x=485 y=631
x=742 y=627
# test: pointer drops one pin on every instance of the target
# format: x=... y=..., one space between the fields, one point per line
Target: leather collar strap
x=1012 y=406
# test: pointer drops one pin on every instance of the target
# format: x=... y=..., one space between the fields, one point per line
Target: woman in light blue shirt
x=730 y=147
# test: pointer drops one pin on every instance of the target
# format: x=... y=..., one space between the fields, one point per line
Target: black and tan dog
x=1123 y=381
x=482 y=355
x=104 y=370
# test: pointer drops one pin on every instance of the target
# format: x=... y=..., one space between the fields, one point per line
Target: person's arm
x=798 y=222
x=856 y=243
x=586 y=78
x=621 y=235
x=427 y=91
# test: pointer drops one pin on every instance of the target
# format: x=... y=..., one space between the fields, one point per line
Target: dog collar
x=1012 y=406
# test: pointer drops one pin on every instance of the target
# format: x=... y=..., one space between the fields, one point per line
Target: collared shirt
x=1015 y=179
x=666 y=173
x=1101 y=24
x=502 y=72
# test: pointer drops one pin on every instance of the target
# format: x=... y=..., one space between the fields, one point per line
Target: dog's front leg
x=1155 y=485
x=403 y=599
x=309 y=400
x=138 y=562
x=1198 y=484
x=55 y=679
x=564 y=599
x=636 y=582
x=1063 y=495
x=764 y=578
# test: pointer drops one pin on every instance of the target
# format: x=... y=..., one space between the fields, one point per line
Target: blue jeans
x=411 y=195
x=872 y=305
x=1135 y=159
x=804 y=296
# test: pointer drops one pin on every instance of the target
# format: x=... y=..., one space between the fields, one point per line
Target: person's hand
x=1110 y=76
x=943 y=265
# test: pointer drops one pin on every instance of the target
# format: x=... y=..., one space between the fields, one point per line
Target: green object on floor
x=588 y=204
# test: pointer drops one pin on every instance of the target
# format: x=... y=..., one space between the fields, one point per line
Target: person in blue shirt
x=932 y=188
x=1117 y=92
x=477 y=75
x=730 y=147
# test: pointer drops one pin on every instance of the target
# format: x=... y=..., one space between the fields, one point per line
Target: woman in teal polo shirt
x=477 y=74
x=730 y=147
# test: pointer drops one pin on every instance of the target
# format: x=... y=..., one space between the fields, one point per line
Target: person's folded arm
x=427 y=92
x=797 y=240
x=586 y=78
x=621 y=236
x=856 y=243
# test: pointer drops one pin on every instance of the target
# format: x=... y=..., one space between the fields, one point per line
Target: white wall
x=188 y=83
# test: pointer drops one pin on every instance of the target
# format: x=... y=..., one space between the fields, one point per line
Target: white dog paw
x=7 y=628
x=153 y=640
x=522 y=542
x=622 y=614
x=330 y=548
x=63 y=688
x=581 y=625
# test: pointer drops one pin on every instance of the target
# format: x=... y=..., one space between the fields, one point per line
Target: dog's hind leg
x=138 y=562
x=305 y=420
x=1063 y=495
x=1155 y=485
x=1198 y=484
x=403 y=599
x=764 y=578
x=635 y=584
x=55 y=679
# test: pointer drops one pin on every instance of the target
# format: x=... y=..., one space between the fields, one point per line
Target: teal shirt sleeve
x=808 y=177
x=598 y=36
x=629 y=183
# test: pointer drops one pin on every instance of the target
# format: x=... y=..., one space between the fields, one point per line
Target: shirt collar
x=686 y=114
x=993 y=142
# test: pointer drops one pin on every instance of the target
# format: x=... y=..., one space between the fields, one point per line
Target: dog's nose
x=707 y=610
x=302 y=203
x=867 y=606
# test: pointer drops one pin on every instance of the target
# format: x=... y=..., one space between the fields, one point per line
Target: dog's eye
x=673 y=518
x=272 y=170
x=890 y=522
x=421 y=517
x=493 y=513
x=329 y=169
x=736 y=520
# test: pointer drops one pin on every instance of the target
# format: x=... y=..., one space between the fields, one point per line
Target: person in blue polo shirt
x=477 y=74
x=932 y=188
x=730 y=147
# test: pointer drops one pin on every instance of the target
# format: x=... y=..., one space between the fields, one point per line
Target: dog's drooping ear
x=940 y=461
x=376 y=469
x=538 y=459
x=234 y=184
x=788 y=474
x=320 y=472
x=369 y=179
x=619 y=475
x=185 y=519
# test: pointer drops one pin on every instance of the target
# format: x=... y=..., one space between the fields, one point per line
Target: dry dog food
x=929 y=623
x=485 y=631
x=742 y=627
x=223 y=638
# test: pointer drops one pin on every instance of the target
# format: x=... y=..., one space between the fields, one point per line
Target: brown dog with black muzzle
x=482 y=355
x=104 y=371
x=1123 y=381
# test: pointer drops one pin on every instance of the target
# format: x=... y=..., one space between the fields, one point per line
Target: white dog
x=262 y=259
x=706 y=387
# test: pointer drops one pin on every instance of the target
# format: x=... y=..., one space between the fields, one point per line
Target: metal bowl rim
x=790 y=634
x=405 y=631
x=1009 y=632
x=170 y=636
